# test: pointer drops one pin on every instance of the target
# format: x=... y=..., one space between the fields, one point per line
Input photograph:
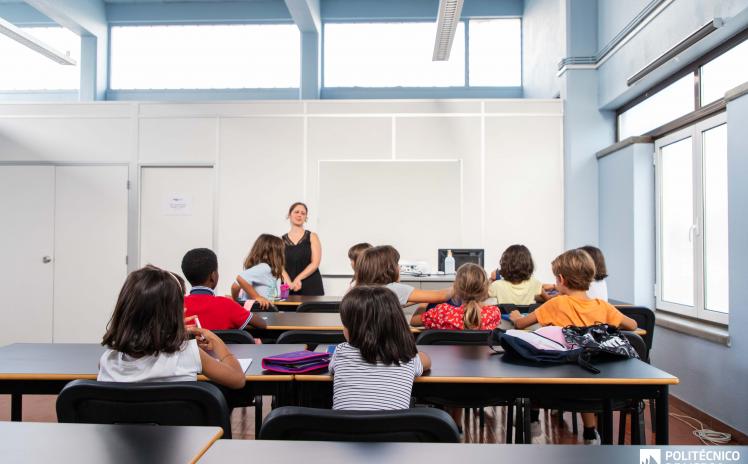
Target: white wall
x=266 y=155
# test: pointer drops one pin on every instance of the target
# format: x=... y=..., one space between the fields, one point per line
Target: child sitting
x=263 y=270
x=375 y=368
x=598 y=287
x=471 y=289
x=516 y=285
x=200 y=267
x=574 y=270
x=353 y=254
x=379 y=266
x=147 y=339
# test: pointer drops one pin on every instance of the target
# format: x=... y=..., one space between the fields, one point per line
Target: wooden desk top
x=478 y=364
x=43 y=443
x=70 y=361
x=296 y=300
x=314 y=452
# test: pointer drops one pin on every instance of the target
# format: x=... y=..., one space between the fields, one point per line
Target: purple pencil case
x=297 y=362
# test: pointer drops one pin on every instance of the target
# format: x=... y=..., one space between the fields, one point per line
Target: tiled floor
x=548 y=430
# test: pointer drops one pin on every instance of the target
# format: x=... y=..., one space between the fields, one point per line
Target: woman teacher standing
x=303 y=254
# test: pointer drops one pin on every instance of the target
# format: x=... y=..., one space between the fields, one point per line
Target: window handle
x=693 y=231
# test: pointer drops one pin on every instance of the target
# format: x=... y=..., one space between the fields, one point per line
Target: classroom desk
x=319 y=452
x=297 y=300
x=45 y=368
x=43 y=443
x=467 y=371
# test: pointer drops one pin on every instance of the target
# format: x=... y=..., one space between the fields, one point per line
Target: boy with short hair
x=574 y=271
x=200 y=267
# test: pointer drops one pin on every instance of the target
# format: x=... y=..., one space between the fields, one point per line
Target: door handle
x=46 y=259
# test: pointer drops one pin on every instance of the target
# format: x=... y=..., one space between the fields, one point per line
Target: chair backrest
x=453 y=337
x=639 y=345
x=235 y=337
x=319 y=307
x=645 y=319
x=405 y=425
x=507 y=308
x=161 y=403
x=311 y=337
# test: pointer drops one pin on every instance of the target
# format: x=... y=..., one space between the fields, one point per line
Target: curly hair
x=516 y=264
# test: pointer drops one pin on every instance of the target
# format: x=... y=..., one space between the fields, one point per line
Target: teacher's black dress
x=298 y=257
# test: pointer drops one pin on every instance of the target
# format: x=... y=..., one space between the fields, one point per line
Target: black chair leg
x=574 y=423
x=482 y=417
x=509 y=421
x=623 y=416
x=652 y=416
x=560 y=417
x=258 y=415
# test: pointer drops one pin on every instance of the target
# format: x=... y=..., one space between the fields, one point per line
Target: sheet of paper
x=245 y=363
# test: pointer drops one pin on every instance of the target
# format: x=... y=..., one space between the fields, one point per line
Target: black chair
x=645 y=319
x=235 y=337
x=311 y=338
x=161 y=403
x=507 y=308
x=466 y=337
x=319 y=307
x=405 y=425
x=453 y=337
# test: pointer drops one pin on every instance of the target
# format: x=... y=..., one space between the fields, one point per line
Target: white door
x=90 y=249
x=176 y=207
x=26 y=252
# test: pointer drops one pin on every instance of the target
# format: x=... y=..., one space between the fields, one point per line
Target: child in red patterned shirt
x=471 y=289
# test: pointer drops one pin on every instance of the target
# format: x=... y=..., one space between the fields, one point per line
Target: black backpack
x=582 y=345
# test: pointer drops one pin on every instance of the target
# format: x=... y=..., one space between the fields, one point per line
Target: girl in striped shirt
x=375 y=368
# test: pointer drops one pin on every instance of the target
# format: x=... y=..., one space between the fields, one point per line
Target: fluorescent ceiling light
x=33 y=43
x=446 y=26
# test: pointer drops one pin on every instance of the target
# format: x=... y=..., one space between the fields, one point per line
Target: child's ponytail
x=471 y=287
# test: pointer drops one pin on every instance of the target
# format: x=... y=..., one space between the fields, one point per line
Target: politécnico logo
x=650 y=456
x=715 y=455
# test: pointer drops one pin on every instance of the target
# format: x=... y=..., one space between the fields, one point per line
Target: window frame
x=695 y=132
x=693 y=68
x=247 y=93
x=467 y=90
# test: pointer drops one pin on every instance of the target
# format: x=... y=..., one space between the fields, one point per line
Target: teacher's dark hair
x=377 y=266
x=377 y=326
x=149 y=315
x=298 y=203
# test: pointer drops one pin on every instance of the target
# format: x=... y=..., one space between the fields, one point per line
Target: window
x=390 y=55
x=25 y=69
x=666 y=105
x=724 y=73
x=205 y=57
x=495 y=52
x=710 y=77
x=692 y=261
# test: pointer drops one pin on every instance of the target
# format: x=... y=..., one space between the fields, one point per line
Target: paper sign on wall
x=178 y=204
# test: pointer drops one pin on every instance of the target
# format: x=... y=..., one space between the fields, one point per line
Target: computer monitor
x=461 y=256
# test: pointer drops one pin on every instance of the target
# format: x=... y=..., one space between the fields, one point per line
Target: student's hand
x=549 y=287
x=258 y=341
x=296 y=285
x=514 y=315
x=493 y=276
x=190 y=322
x=205 y=338
x=263 y=302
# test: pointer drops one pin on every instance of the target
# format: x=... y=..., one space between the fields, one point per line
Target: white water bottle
x=449 y=263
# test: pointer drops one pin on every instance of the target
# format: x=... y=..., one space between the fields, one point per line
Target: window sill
x=702 y=329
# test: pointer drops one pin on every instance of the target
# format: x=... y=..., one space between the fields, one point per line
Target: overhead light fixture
x=446 y=26
x=33 y=43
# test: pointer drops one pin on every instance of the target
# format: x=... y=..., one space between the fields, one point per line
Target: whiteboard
x=414 y=206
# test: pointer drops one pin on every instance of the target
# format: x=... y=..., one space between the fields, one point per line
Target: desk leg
x=607 y=426
x=661 y=410
x=16 y=407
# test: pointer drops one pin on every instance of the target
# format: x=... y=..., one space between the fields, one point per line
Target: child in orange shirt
x=574 y=271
